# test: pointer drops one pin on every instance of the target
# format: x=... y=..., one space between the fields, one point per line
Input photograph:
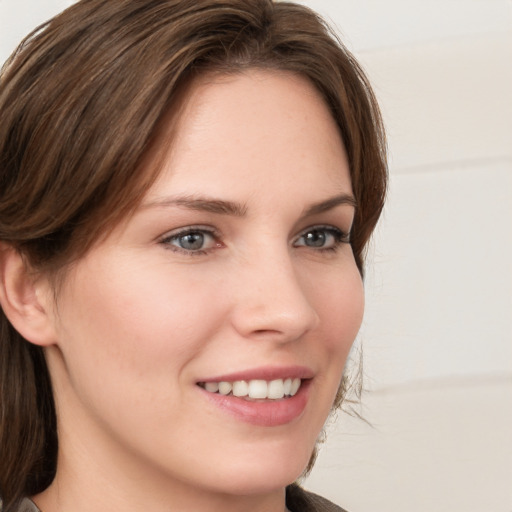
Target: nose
x=271 y=300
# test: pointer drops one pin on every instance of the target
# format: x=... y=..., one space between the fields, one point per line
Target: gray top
x=297 y=500
x=28 y=506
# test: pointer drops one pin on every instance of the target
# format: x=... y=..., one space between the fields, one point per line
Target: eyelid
x=189 y=229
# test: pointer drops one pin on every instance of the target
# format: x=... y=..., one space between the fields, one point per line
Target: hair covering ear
x=24 y=297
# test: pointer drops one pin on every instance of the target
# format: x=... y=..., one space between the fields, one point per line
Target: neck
x=83 y=486
x=59 y=498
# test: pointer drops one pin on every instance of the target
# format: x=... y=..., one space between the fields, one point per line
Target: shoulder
x=25 y=505
x=299 y=500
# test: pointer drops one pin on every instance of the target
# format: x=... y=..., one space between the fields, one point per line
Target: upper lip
x=267 y=373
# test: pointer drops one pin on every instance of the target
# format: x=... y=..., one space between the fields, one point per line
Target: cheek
x=342 y=308
x=340 y=305
x=339 y=302
x=124 y=325
x=126 y=342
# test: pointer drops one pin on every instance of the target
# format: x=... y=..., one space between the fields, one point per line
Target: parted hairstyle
x=81 y=103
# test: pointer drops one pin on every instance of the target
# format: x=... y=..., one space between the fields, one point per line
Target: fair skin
x=235 y=267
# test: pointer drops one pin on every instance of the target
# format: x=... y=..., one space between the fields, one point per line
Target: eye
x=322 y=238
x=191 y=241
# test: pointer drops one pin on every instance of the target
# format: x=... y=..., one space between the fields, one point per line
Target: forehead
x=249 y=129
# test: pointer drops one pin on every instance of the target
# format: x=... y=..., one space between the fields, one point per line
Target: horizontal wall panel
x=439 y=285
x=447 y=101
x=446 y=448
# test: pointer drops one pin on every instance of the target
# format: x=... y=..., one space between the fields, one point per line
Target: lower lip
x=268 y=413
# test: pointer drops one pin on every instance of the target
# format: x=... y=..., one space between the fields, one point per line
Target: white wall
x=440 y=284
x=19 y=17
x=437 y=334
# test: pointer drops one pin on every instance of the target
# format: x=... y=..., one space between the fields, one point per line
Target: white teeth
x=225 y=388
x=256 y=389
x=276 y=389
x=212 y=387
x=295 y=386
x=287 y=386
x=240 y=388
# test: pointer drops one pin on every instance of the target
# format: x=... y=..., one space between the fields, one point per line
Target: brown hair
x=81 y=101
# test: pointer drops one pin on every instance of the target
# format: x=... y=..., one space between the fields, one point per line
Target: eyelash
x=339 y=238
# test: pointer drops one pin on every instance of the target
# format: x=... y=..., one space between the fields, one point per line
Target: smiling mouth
x=256 y=389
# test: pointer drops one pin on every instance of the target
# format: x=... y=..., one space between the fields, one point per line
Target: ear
x=26 y=298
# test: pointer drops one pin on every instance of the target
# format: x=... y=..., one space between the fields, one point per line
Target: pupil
x=315 y=238
x=192 y=241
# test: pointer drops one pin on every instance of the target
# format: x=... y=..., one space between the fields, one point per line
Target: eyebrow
x=223 y=207
x=329 y=204
x=203 y=204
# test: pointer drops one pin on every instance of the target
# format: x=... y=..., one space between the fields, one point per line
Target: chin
x=263 y=471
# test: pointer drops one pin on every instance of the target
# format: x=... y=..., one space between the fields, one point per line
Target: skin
x=139 y=320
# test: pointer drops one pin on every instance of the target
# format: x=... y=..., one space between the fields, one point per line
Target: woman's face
x=235 y=268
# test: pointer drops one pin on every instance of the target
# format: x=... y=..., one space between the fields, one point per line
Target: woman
x=187 y=192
